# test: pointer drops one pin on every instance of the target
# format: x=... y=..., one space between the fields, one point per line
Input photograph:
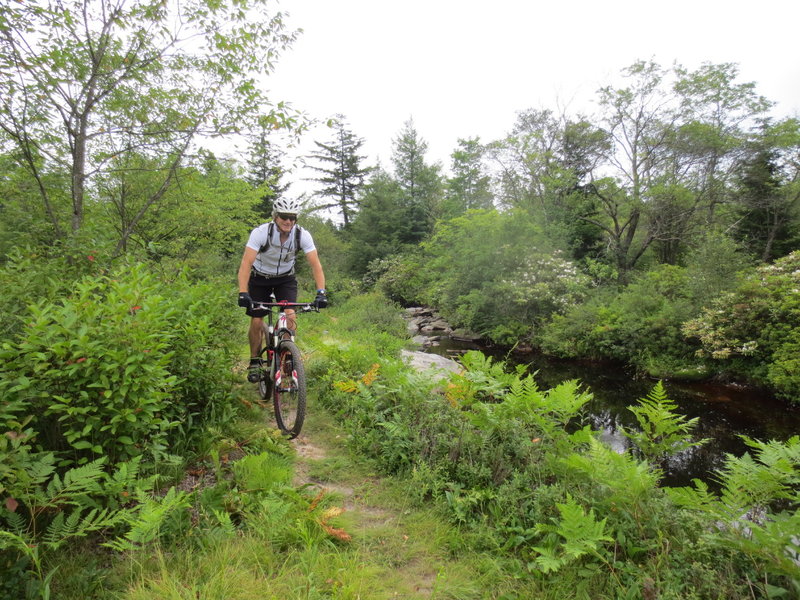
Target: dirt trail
x=376 y=528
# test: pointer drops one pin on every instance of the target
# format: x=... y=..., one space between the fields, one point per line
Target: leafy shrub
x=401 y=277
x=118 y=365
x=640 y=324
x=31 y=274
x=754 y=331
x=495 y=274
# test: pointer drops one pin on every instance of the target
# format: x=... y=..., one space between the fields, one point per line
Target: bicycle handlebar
x=303 y=306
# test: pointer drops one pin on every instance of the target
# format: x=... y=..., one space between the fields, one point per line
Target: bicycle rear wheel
x=289 y=390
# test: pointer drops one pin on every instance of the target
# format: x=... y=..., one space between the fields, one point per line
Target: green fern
x=624 y=481
x=78 y=524
x=572 y=536
x=663 y=431
x=773 y=475
x=76 y=484
x=486 y=379
x=523 y=404
x=146 y=523
x=743 y=515
x=16 y=522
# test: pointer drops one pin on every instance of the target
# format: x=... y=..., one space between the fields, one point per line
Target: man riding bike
x=268 y=267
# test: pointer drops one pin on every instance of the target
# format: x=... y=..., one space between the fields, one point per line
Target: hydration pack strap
x=271 y=229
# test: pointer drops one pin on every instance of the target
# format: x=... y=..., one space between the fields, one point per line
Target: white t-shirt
x=279 y=258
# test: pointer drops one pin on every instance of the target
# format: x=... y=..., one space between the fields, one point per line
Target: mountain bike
x=283 y=376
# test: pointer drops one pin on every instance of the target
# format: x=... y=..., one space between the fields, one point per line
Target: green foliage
x=617 y=483
x=136 y=87
x=31 y=273
x=332 y=249
x=45 y=510
x=420 y=183
x=118 y=368
x=494 y=273
x=757 y=512
x=151 y=521
x=755 y=330
x=401 y=277
x=499 y=400
x=639 y=324
x=662 y=431
x=381 y=227
x=92 y=371
x=194 y=226
x=262 y=471
x=574 y=535
x=511 y=463
x=470 y=186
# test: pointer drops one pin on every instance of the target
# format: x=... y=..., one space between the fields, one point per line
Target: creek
x=725 y=412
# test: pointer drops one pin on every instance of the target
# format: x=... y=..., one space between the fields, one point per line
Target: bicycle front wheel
x=289 y=390
x=264 y=387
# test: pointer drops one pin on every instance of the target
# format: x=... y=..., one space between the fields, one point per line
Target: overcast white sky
x=464 y=68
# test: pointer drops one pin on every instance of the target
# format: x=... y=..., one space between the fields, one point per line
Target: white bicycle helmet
x=286 y=205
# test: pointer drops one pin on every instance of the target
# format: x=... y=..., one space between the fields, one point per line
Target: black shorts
x=261 y=288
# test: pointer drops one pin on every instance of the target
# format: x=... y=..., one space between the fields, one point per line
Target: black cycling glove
x=245 y=301
x=321 y=301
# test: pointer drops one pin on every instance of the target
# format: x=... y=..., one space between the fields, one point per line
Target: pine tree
x=265 y=170
x=767 y=208
x=341 y=174
x=421 y=183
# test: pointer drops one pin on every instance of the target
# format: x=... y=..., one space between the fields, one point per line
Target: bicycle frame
x=284 y=377
x=273 y=332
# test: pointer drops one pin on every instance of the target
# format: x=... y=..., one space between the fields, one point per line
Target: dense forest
x=662 y=232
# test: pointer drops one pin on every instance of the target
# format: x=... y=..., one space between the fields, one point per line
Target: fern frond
x=77 y=524
x=79 y=481
x=146 y=525
x=578 y=532
x=225 y=522
x=749 y=481
x=663 y=431
x=698 y=497
x=41 y=470
x=625 y=478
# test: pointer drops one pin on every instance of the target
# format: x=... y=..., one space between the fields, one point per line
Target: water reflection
x=725 y=413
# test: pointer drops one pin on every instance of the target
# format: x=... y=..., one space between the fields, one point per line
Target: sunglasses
x=287 y=217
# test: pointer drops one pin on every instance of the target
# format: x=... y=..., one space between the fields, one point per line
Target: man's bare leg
x=255 y=335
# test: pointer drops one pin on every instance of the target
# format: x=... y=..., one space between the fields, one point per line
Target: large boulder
x=422 y=361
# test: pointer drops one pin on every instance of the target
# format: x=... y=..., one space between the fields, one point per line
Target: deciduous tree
x=83 y=82
x=470 y=185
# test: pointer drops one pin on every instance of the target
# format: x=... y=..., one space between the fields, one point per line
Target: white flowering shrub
x=545 y=283
x=755 y=330
x=496 y=274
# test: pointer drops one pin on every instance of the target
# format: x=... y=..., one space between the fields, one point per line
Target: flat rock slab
x=422 y=361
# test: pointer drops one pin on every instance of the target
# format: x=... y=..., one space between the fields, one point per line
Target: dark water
x=724 y=412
